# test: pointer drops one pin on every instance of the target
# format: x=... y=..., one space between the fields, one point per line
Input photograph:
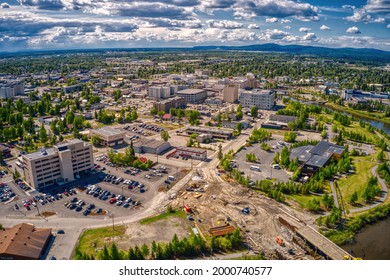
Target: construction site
x=215 y=207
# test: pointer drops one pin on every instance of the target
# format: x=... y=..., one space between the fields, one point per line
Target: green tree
x=220 y=154
x=381 y=156
x=254 y=112
x=164 y=135
x=114 y=252
x=104 y=255
x=153 y=111
x=313 y=205
x=239 y=113
x=145 y=250
x=290 y=137
x=160 y=114
x=16 y=174
x=134 y=115
x=239 y=127
x=354 y=197
x=95 y=140
x=43 y=134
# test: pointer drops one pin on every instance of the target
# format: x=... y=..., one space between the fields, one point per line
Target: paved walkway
x=378 y=201
x=334 y=193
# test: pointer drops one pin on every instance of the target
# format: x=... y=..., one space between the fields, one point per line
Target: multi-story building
x=9 y=90
x=61 y=164
x=109 y=136
x=159 y=92
x=262 y=99
x=214 y=132
x=192 y=95
x=175 y=102
x=230 y=93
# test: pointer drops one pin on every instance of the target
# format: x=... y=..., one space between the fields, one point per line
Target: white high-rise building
x=262 y=99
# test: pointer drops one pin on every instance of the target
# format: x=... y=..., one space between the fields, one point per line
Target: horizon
x=40 y=25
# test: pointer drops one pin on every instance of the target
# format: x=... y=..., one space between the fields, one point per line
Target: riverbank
x=356 y=113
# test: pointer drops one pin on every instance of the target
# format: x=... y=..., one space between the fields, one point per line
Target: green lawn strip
x=162 y=216
x=357 y=181
x=94 y=238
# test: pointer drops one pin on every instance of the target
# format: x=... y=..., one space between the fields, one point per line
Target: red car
x=112 y=200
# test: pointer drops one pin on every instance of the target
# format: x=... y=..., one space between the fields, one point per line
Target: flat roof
x=68 y=142
x=319 y=161
x=192 y=150
x=302 y=153
x=191 y=91
x=41 y=154
x=211 y=129
x=108 y=131
x=151 y=143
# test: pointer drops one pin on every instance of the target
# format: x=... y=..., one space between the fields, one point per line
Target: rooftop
x=319 y=161
x=302 y=153
x=152 y=143
x=24 y=240
x=191 y=91
x=192 y=150
x=41 y=154
x=108 y=131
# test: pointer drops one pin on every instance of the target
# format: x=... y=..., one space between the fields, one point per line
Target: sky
x=76 y=24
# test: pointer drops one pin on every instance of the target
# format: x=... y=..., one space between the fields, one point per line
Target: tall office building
x=230 y=93
x=61 y=164
x=262 y=99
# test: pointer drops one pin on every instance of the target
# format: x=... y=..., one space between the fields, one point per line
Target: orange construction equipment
x=280 y=241
x=187 y=208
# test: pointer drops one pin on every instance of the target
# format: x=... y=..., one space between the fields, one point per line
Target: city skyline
x=76 y=24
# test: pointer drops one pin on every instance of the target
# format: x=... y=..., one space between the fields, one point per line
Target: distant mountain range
x=350 y=53
x=308 y=50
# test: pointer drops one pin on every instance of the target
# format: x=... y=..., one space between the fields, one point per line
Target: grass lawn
x=162 y=216
x=355 y=127
x=302 y=200
x=357 y=181
x=93 y=239
x=168 y=126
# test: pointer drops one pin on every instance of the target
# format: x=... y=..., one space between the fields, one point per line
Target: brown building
x=175 y=102
x=230 y=93
x=23 y=242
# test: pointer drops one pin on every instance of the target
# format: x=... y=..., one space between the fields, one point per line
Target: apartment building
x=262 y=99
x=61 y=164
x=10 y=89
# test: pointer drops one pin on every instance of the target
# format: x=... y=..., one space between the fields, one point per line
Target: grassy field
x=302 y=200
x=93 y=239
x=167 y=126
x=358 y=180
x=162 y=216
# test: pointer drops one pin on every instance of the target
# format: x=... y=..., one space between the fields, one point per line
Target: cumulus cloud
x=359 y=15
x=253 y=26
x=274 y=34
x=278 y=9
x=283 y=20
x=324 y=27
x=388 y=26
x=287 y=27
x=353 y=30
x=380 y=20
x=272 y=20
x=378 y=6
x=4 y=6
x=304 y=29
x=227 y=24
x=44 y=4
x=309 y=37
x=218 y=4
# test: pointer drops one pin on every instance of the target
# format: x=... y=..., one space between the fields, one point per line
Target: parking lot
x=264 y=161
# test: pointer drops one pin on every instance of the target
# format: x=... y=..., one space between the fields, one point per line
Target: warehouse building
x=215 y=132
x=109 y=136
x=61 y=164
x=151 y=146
x=195 y=153
x=24 y=242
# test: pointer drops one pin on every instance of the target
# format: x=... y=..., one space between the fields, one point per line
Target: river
x=372 y=243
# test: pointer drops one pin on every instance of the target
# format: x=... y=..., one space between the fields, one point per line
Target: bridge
x=315 y=239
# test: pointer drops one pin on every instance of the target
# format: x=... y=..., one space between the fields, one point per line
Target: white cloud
x=225 y=24
x=378 y=6
x=359 y=15
x=380 y=20
x=283 y=20
x=4 y=6
x=353 y=30
x=277 y=9
x=287 y=27
x=309 y=37
x=273 y=34
x=272 y=20
x=304 y=29
x=324 y=27
x=388 y=26
x=253 y=26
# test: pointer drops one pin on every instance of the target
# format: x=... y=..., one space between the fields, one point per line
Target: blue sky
x=75 y=24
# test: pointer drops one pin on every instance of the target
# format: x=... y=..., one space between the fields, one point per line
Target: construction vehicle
x=280 y=241
x=187 y=208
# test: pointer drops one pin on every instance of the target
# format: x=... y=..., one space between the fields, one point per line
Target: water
x=372 y=243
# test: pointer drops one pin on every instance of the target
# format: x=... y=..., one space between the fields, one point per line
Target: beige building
x=262 y=99
x=61 y=164
x=193 y=95
x=175 y=102
x=230 y=93
x=109 y=136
